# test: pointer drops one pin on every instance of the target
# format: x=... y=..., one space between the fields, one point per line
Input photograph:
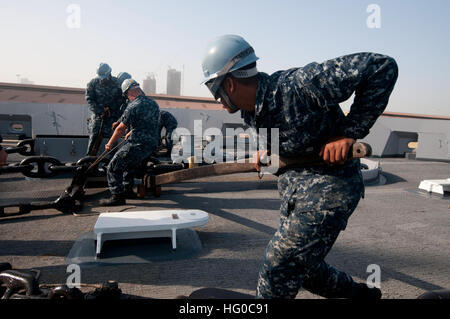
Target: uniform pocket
x=288 y=201
x=326 y=210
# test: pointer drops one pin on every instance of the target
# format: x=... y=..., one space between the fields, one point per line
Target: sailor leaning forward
x=141 y=118
x=316 y=202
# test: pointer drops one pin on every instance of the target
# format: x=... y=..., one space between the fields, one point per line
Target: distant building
x=149 y=85
x=25 y=81
x=173 y=82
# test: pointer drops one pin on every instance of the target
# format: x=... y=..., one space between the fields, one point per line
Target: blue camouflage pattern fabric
x=121 y=77
x=100 y=94
x=123 y=107
x=316 y=202
x=141 y=116
x=170 y=123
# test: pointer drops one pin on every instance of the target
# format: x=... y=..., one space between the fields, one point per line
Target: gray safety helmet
x=227 y=54
x=103 y=71
x=122 y=76
x=129 y=84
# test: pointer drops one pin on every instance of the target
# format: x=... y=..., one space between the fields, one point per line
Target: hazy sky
x=142 y=37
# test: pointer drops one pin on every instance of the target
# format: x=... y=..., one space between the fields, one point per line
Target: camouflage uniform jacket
x=304 y=102
x=100 y=94
x=167 y=120
x=142 y=116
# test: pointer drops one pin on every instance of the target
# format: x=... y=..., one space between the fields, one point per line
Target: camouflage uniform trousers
x=315 y=208
x=94 y=128
x=123 y=165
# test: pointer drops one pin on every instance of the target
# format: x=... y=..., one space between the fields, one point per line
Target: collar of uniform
x=263 y=81
x=250 y=117
x=140 y=96
x=137 y=99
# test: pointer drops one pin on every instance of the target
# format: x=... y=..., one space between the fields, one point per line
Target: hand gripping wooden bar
x=358 y=150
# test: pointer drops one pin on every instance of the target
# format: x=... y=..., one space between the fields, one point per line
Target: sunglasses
x=215 y=87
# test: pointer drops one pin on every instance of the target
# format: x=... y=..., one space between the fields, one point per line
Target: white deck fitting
x=373 y=170
x=146 y=224
x=439 y=186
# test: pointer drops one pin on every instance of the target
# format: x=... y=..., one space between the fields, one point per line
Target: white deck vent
x=437 y=186
x=146 y=224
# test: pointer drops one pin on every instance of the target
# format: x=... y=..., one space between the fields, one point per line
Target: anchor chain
x=25 y=148
x=40 y=166
x=24 y=284
x=46 y=166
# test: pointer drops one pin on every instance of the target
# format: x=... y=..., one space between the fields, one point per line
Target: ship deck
x=402 y=231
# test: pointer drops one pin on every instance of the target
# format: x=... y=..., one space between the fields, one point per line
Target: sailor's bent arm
x=118 y=133
x=370 y=76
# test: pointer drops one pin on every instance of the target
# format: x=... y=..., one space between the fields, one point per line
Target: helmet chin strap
x=233 y=108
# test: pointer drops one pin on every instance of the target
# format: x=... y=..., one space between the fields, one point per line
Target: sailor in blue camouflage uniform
x=122 y=76
x=104 y=99
x=141 y=119
x=316 y=202
x=170 y=123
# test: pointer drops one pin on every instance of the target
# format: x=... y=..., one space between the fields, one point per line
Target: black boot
x=129 y=193
x=115 y=200
x=362 y=291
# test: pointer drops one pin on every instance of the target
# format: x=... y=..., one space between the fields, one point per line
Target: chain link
x=69 y=167
x=42 y=166
x=15 y=168
x=25 y=148
x=46 y=167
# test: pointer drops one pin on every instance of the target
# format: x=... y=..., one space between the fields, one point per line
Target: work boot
x=114 y=200
x=362 y=291
x=129 y=193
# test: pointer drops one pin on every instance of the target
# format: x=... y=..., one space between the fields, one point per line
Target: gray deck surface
x=406 y=234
